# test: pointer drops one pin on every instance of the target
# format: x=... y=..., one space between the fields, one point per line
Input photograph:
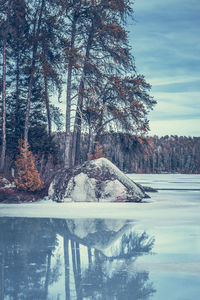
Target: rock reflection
x=72 y=259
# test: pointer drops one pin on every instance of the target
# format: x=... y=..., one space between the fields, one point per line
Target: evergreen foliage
x=98 y=152
x=140 y=154
x=27 y=178
x=83 y=47
x=137 y=154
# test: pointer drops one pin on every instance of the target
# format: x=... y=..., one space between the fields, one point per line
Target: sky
x=165 y=40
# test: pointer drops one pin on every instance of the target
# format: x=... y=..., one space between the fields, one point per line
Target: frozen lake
x=123 y=251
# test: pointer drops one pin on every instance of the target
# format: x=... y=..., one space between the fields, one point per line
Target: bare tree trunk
x=47 y=104
x=28 y=105
x=78 y=117
x=3 y=150
x=17 y=103
x=41 y=168
x=77 y=122
x=67 y=160
x=91 y=140
x=46 y=94
x=77 y=135
x=30 y=86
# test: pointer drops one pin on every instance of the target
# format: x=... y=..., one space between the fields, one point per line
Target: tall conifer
x=27 y=178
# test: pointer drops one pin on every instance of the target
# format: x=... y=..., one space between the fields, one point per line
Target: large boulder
x=96 y=180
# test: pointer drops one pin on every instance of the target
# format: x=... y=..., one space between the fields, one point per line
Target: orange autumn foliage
x=98 y=152
x=27 y=178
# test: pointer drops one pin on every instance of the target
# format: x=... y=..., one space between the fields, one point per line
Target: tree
x=5 y=31
x=106 y=53
x=45 y=75
x=117 y=104
x=35 y=39
x=98 y=152
x=78 y=116
x=28 y=178
x=50 y=56
x=87 y=41
x=71 y=57
x=19 y=53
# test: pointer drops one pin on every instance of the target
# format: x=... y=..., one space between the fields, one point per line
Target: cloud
x=165 y=36
x=176 y=106
x=165 y=40
x=173 y=80
x=176 y=114
x=187 y=86
x=188 y=127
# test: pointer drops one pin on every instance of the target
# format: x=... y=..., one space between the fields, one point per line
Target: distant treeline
x=171 y=154
x=132 y=154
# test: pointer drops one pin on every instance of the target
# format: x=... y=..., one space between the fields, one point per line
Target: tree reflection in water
x=32 y=261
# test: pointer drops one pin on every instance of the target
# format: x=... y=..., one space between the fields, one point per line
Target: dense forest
x=76 y=52
x=134 y=154
x=168 y=154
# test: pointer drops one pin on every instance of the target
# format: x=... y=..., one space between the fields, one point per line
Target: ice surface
x=164 y=206
x=172 y=217
x=168 y=181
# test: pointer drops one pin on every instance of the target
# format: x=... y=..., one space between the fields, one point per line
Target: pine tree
x=4 y=33
x=35 y=40
x=28 y=178
x=106 y=53
x=98 y=152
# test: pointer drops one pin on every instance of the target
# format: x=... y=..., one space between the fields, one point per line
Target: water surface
x=117 y=251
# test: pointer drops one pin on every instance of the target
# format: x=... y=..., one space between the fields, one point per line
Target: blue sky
x=165 y=38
